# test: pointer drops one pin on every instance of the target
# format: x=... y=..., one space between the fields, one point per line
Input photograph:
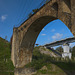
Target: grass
x=6 y=66
x=53 y=67
x=6 y=73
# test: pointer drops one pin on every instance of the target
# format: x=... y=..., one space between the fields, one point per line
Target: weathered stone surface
x=24 y=37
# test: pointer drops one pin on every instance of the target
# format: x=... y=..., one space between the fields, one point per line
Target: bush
x=39 y=60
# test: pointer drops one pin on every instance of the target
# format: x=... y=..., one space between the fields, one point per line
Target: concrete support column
x=66 y=51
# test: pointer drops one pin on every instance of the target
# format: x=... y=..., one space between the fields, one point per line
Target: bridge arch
x=24 y=37
x=29 y=38
x=34 y=30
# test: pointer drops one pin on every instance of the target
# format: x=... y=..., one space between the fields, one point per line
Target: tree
x=35 y=10
x=73 y=51
x=5 y=37
x=59 y=49
x=30 y=14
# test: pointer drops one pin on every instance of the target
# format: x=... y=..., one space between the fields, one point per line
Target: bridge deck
x=61 y=42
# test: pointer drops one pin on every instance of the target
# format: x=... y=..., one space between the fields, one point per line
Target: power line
x=28 y=9
x=22 y=10
x=20 y=1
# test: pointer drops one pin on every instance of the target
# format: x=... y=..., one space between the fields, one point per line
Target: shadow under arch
x=68 y=3
x=52 y=29
x=35 y=28
x=55 y=6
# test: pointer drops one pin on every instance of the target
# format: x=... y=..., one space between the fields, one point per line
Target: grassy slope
x=53 y=67
x=6 y=66
x=39 y=60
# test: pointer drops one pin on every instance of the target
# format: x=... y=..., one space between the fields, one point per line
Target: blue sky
x=53 y=31
x=14 y=12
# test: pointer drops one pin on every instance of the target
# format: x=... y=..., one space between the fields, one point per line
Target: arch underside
x=36 y=24
x=39 y=23
x=34 y=30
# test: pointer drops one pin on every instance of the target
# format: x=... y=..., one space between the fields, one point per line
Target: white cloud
x=52 y=30
x=43 y=34
x=57 y=36
x=72 y=44
x=3 y=17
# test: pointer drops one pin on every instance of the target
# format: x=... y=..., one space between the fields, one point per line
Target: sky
x=53 y=31
x=14 y=12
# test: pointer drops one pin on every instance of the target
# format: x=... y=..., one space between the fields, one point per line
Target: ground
x=42 y=63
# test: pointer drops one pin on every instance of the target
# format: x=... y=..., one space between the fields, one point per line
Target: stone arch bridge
x=25 y=35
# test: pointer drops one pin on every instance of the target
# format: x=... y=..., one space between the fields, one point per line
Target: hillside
x=45 y=64
x=6 y=66
x=46 y=51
